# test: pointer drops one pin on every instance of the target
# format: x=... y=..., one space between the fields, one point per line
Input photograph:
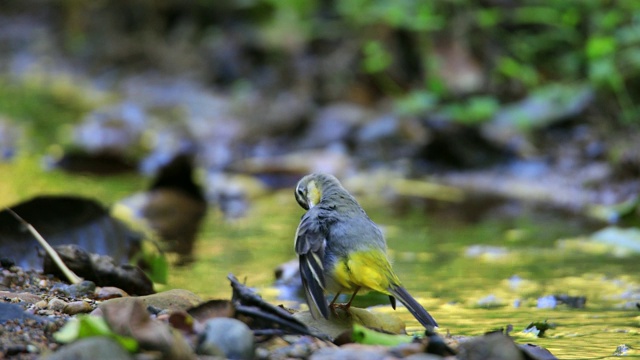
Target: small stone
x=42 y=304
x=83 y=288
x=352 y=351
x=20 y=297
x=77 y=307
x=109 y=292
x=172 y=300
x=90 y=348
x=56 y=304
x=225 y=336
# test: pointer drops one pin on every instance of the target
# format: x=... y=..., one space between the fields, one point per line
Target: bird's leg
x=346 y=306
x=333 y=305
x=333 y=302
x=352 y=297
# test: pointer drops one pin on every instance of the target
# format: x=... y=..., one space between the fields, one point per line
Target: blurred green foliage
x=516 y=46
x=43 y=107
x=462 y=58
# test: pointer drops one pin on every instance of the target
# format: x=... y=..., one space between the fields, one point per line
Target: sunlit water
x=432 y=255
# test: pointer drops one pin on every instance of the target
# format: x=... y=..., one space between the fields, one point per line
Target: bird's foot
x=343 y=307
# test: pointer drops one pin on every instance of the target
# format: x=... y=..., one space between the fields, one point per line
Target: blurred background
x=271 y=88
x=489 y=138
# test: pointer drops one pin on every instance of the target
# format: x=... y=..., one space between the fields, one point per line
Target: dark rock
x=15 y=312
x=535 y=352
x=495 y=346
x=63 y=220
x=102 y=270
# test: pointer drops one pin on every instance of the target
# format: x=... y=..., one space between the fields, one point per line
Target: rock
x=542 y=108
x=22 y=297
x=390 y=138
x=81 y=289
x=15 y=312
x=113 y=129
x=495 y=346
x=341 y=321
x=91 y=348
x=225 y=336
x=56 y=304
x=292 y=347
x=536 y=352
x=424 y=356
x=352 y=352
x=109 y=292
x=101 y=269
x=62 y=219
x=175 y=299
x=77 y=307
x=334 y=123
x=132 y=319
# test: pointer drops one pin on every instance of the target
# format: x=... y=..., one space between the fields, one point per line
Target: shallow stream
x=475 y=269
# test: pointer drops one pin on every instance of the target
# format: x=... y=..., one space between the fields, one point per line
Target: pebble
x=77 y=307
x=226 y=336
x=352 y=352
x=109 y=292
x=56 y=304
x=42 y=304
x=90 y=349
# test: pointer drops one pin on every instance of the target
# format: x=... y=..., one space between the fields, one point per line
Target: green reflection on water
x=428 y=254
x=429 y=257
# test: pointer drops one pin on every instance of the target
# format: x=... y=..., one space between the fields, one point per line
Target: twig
x=73 y=278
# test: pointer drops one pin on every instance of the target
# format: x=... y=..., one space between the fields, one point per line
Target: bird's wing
x=309 y=245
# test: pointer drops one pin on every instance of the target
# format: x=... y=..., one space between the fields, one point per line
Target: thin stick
x=73 y=278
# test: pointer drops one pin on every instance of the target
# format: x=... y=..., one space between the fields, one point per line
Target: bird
x=340 y=249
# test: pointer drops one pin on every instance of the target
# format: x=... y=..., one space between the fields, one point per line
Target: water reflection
x=519 y=263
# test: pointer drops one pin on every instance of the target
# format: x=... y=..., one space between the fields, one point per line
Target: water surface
x=440 y=254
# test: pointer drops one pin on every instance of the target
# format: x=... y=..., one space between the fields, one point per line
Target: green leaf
x=416 y=102
x=84 y=326
x=363 y=335
x=159 y=267
x=600 y=46
x=376 y=57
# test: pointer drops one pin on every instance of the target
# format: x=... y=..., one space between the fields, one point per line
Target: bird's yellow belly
x=367 y=270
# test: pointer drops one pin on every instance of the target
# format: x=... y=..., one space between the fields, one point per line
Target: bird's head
x=311 y=187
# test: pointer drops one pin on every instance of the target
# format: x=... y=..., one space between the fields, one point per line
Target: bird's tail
x=413 y=306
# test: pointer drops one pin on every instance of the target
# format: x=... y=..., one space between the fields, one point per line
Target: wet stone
x=77 y=307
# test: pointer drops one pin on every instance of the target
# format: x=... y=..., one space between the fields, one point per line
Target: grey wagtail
x=341 y=249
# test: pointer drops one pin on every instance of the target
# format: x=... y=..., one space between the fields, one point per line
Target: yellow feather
x=367 y=269
x=314 y=194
